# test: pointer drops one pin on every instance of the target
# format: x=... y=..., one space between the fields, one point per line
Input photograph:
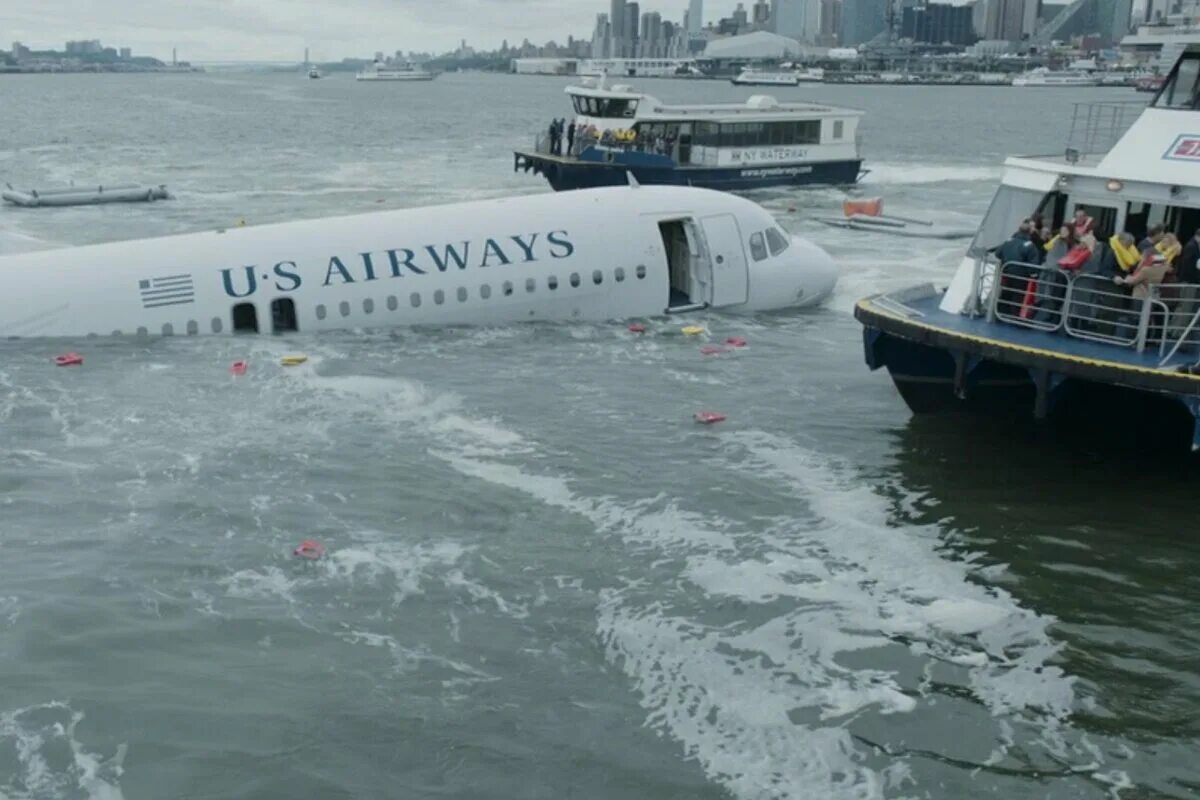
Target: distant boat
x=753 y=77
x=313 y=72
x=1044 y=77
x=394 y=72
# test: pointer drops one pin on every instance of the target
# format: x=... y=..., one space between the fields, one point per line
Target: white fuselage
x=589 y=254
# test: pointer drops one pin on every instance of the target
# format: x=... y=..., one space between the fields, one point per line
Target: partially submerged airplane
x=584 y=255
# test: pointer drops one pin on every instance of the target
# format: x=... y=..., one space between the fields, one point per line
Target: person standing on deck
x=571 y=138
x=1153 y=236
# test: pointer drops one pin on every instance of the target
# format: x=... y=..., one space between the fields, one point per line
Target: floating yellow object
x=291 y=361
x=693 y=330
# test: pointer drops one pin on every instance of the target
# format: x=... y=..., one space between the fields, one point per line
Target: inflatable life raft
x=84 y=195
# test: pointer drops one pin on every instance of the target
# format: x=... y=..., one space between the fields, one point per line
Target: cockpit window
x=758 y=247
x=776 y=241
x=604 y=107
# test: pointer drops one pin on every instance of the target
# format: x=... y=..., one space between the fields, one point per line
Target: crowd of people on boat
x=1043 y=262
x=578 y=137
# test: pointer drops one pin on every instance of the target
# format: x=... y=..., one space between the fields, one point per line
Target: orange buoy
x=68 y=360
x=239 y=368
x=310 y=549
x=735 y=341
x=712 y=349
x=709 y=417
x=868 y=208
x=637 y=327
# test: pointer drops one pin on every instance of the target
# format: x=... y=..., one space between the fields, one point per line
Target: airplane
x=591 y=254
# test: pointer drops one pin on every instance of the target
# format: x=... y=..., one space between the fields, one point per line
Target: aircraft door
x=727 y=257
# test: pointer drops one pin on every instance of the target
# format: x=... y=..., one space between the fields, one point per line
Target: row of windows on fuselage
x=761 y=134
x=506 y=289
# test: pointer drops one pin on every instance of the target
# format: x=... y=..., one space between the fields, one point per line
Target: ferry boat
x=728 y=146
x=1044 y=77
x=754 y=77
x=313 y=72
x=406 y=71
x=1067 y=339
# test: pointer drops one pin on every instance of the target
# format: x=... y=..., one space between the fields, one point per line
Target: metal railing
x=1096 y=127
x=1089 y=307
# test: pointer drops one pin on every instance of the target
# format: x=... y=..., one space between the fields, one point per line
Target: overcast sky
x=279 y=30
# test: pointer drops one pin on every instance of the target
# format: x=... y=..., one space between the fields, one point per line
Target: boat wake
x=41 y=757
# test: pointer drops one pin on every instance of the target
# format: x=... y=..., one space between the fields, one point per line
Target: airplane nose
x=817 y=270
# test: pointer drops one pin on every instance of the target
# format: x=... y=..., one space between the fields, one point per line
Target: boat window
x=462 y=294
x=839 y=129
x=619 y=274
x=415 y=299
x=706 y=134
x=597 y=277
x=321 y=311
x=439 y=297
x=392 y=302
x=169 y=330
x=758 y=247
x=344 y=308
x=193 y=327
x=1181 y=86
x=368 y=306
x=485 y=291
x=217 y=325
x=777 y=241
x=574 y=280
x=552 y=282
x=1010 y=205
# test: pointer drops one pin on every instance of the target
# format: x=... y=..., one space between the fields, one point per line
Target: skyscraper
x=862 y=21
x=695 y=16
x=616 y=18
x=632 y=15
x=831 y=22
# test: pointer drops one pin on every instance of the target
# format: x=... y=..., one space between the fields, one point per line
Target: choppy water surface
x=543 y=580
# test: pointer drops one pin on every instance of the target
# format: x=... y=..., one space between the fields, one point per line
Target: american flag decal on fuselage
x=169 y=290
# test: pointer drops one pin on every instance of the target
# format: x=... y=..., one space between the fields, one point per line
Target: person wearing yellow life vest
x=1126 y=255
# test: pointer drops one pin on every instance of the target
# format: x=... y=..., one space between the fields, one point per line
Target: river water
x=543 y=581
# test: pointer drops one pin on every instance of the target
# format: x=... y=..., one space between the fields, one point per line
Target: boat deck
x=920 y=319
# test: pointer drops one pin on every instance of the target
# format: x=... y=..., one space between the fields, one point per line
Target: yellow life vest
x=1127 y=256
x=1169 y=253
x=1048 y=246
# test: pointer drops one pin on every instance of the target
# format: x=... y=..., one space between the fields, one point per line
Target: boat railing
x=1089 y=307
x=1096 y=127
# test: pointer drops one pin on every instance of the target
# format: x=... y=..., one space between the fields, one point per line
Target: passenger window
x=168 y=329
x=485 y=291
x=368 y=306
x=462 y=294
x=217 y=325
x=640 y=271
x=758 y=247
x=575 y=280
x=415 y=299
x=776 y=241
x=619 y=274
x=552 y=282
x=392 y=302
x=530 y=285
x=141 y=331
x=507 y=288
x=193 y=327
x=439 y=297
x=344 y=308
x=597 y=277
x=321 y=311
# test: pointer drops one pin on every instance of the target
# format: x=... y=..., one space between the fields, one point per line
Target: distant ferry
x=609 y=253
x=639 y=67
x=728 y=146
x=394 y=72
x=753 y=77
x=313 y=72
x=1044 y=77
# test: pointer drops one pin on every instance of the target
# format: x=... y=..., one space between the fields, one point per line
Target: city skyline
x=280 y=30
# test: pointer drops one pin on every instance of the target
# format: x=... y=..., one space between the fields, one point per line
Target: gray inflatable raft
x=84 y=195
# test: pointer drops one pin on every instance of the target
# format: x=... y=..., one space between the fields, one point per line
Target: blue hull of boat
x=566 y=174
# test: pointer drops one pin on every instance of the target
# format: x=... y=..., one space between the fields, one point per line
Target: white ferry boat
x=1101 y=327
x=313 y=72
x=406 y=71
x=730 y=146
x=1044 y=77
x=754 y=77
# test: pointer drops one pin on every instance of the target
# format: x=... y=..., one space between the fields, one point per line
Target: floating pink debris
x=239 y=368
x=735 y=341
x=68 y=360
x=310 y=549
x=637 y=327
x=712 y=349
x=709 y=417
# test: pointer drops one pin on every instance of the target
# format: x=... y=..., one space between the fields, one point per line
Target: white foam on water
x=913 y=174
x=267 y=583
x=408 y=659
x=51 y=762
x=399 y=565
